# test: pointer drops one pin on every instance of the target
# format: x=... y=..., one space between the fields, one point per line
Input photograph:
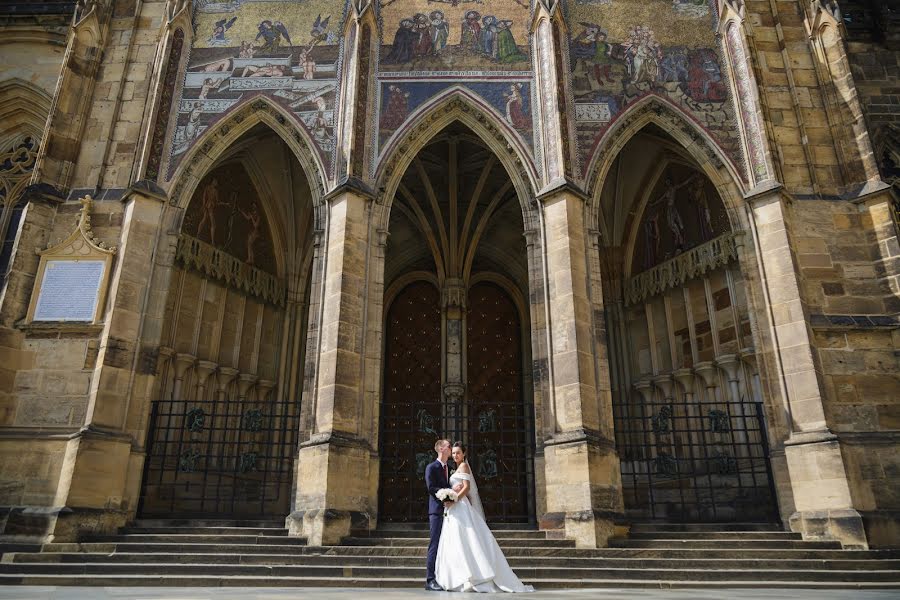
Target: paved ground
x=89 y=593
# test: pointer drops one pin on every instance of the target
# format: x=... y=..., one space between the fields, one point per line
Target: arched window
x=16 y=163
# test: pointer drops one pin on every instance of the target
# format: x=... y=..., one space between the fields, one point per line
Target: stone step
x=424 y=526
x=714 y=543
x=510 y=551
x=843 y=564
x=713 y=527
x=395 y=572
x=717 y=535
x=423 y=541
x=397 y=582
x=200 y=522
x=190 y=538
x=276 y=531
x=425 y=534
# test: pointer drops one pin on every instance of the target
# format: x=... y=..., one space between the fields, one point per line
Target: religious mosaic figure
x=218 y=36
x=515 y=112
x=507 y=50
x=593 y=56
x=440 y=31
x=404 y=41
x=471 y=32
x=272 y=35
x=489 y=35
x=395 y=108
x=642 y=54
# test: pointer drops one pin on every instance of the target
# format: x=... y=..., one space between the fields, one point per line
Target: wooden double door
x=493 y=417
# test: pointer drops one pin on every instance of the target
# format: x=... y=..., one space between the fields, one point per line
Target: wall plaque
x=72 y=276
x=70 y=290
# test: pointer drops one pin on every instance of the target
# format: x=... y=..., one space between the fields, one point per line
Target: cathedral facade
x=641 y=256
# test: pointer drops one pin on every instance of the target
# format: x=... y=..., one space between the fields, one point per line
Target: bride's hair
x=461 y=446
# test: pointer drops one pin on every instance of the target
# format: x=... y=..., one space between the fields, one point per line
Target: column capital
x=685 y=377
x=205 y=368
x=558 y=187
x=729 y=364
x=245 y=382
x=263 y=387
x=224 y=376
x=644 y=388
x=707 y=372
x=350 y=186
x=182 y=363
x=665 y=385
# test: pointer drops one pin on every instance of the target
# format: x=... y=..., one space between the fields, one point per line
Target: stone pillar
x=333 y=466
x=819 y=483
x=454 y=308
x=183 y=362
x=103 y=463
x=202 y=371
x=584 y=491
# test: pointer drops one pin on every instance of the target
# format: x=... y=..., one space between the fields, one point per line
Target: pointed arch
x=696 y=143
x=23 y=109
x=457 y=104
x=220 y=137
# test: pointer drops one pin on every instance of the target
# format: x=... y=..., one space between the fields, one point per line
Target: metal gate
x=695 y=461
x=493 y=420
x=217 y=458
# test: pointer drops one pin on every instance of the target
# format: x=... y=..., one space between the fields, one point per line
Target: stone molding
x=674 y=272
x=218 y=264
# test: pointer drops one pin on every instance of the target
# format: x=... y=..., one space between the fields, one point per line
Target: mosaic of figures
x=454 y=35
x=225 y=212
x=682 y=211
x=481 y=45
x=511 y=99
x=624 y=50
x=285 y=49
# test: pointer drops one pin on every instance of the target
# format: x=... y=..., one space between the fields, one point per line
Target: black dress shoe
x=432 y=586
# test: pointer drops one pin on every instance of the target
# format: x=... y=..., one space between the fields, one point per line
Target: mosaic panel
x=399 y=99
x=285 y=49
x=433 y=36
x=482 y=45
x=624 y=50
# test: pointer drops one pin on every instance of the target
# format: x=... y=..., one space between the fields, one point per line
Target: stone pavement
x=163 y=593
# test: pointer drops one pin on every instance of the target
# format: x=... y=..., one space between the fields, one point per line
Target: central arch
x=456 y=323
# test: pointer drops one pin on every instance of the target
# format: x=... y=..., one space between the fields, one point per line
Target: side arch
x=456 y=104
x=697 y=144
x=23 y=109
x=217 y=140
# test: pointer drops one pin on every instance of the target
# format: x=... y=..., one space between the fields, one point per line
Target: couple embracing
x=463 y=555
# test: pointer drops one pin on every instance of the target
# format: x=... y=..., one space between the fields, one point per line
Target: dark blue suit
x=434 y=480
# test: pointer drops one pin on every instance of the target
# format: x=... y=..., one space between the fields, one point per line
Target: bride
x=468 y=557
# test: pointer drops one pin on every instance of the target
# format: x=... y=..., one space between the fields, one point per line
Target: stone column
x=183 y=362
x=103 y=463
x=333 y=466
x=584 y=490
x=819 y=482
x=454 y=309
x=203 y=370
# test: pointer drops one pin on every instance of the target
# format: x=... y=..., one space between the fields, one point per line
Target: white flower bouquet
x=447 y=495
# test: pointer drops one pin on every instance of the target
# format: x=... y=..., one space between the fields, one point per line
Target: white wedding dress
x=468 y=557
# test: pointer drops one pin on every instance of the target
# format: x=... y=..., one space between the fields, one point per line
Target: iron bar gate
x=695 y=460
x=225 y=457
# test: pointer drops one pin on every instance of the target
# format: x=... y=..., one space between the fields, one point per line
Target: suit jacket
x=434 y=481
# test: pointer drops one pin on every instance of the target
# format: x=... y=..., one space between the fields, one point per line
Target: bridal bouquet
x=447 y=495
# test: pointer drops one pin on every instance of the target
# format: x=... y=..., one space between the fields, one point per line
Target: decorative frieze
x=215 y=263
x=674 y=272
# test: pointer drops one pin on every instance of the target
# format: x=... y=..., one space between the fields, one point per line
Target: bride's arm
x=461 y=493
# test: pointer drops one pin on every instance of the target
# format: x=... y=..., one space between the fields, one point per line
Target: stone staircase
x=259 y=553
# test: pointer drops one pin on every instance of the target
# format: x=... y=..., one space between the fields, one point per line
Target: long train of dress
x=469 y=558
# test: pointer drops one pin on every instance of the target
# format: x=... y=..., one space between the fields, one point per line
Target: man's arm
x=431 y=480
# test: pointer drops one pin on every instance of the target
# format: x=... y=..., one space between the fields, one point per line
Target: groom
x=437 y=477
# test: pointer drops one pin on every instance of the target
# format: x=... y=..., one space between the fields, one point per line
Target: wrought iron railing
x=220 y=458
